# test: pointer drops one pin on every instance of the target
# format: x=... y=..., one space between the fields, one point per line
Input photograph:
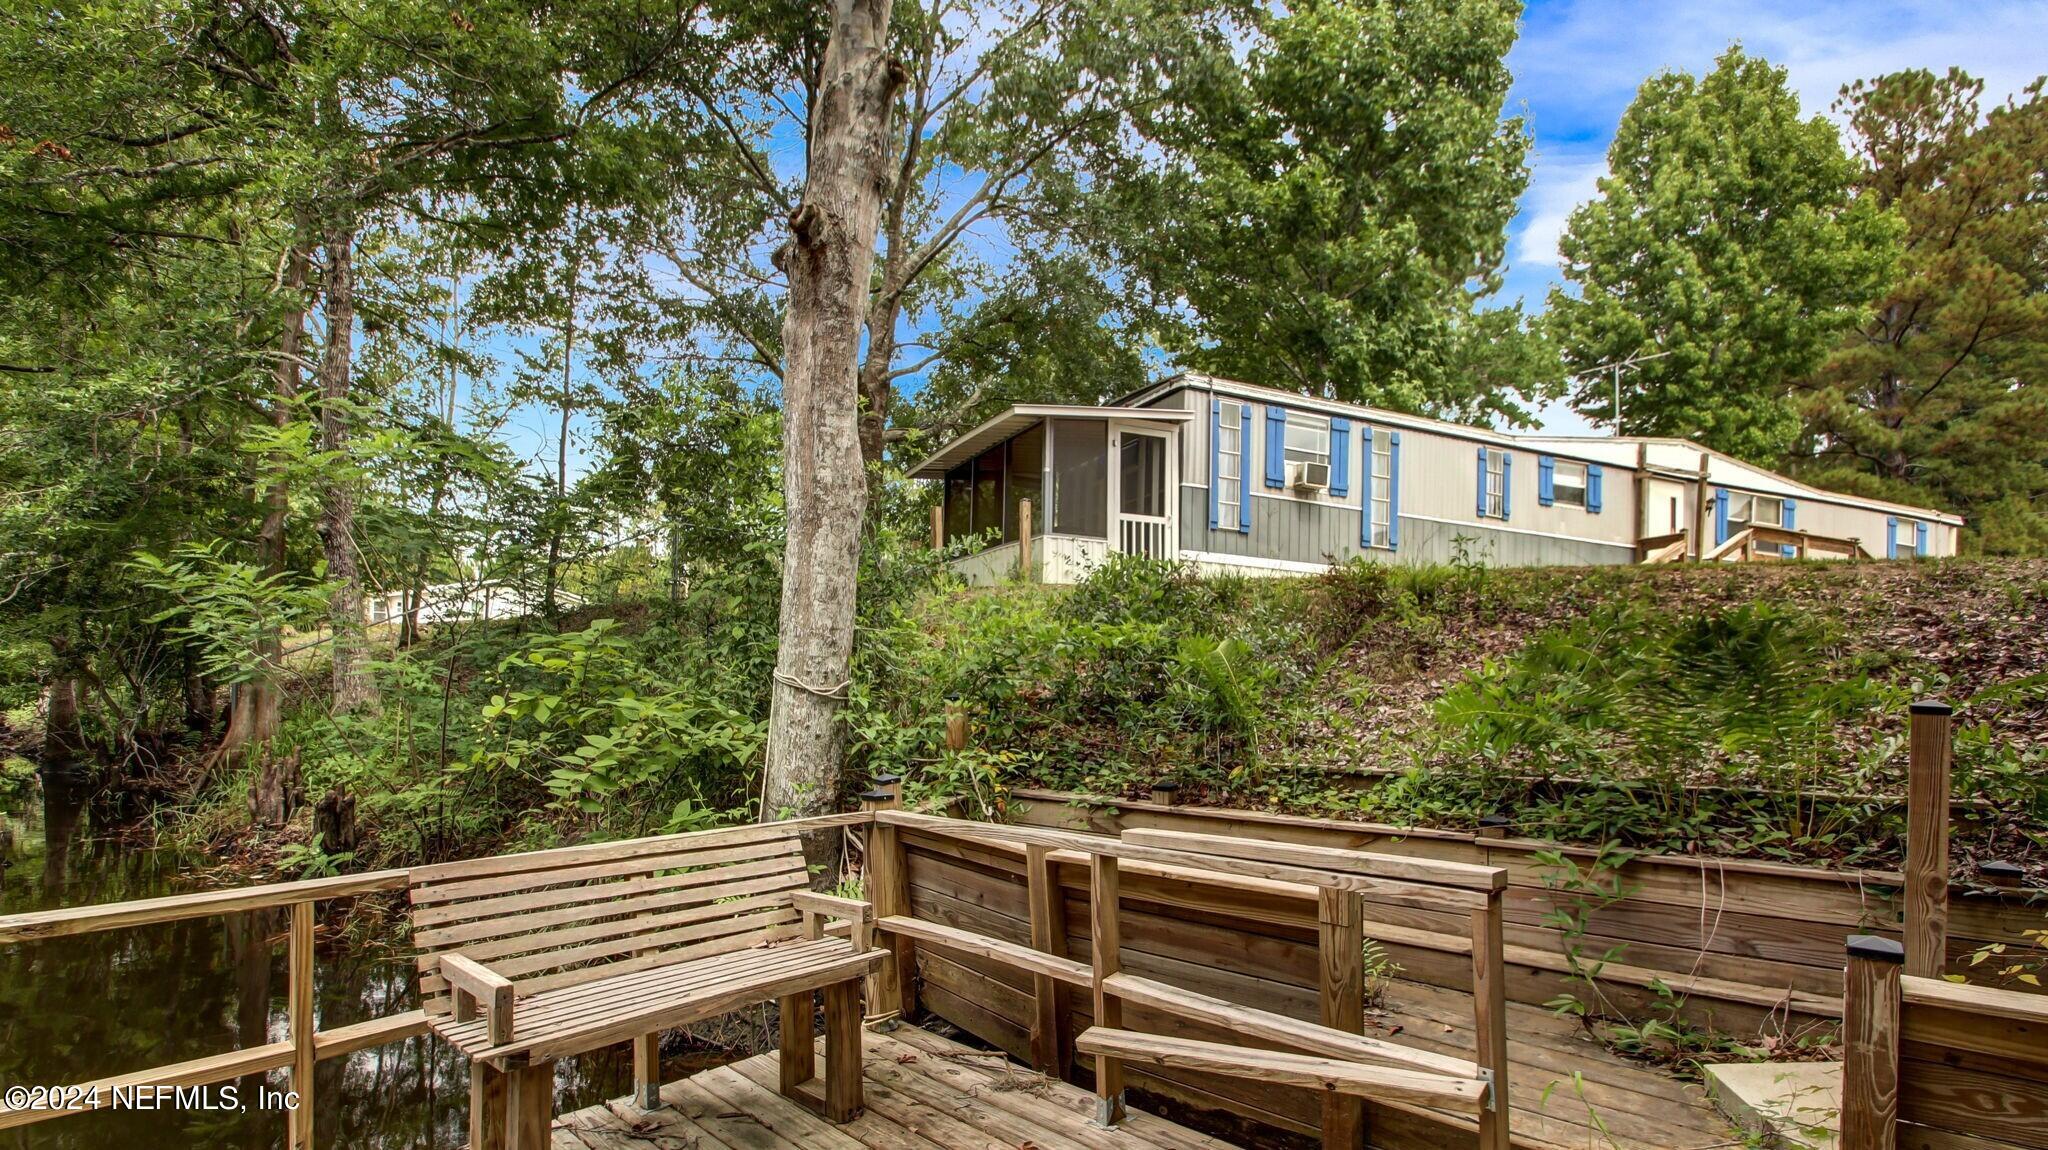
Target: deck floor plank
x=927 y=1092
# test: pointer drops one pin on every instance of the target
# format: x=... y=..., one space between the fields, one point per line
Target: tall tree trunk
x=558 y=512
x=353 y=687
x=254 y=718
x=828 y=259
x=63 y=736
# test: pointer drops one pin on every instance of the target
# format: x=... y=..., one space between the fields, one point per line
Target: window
x=1497 y=484
x=1568 y=483
x=1308 y=440
x=988 y=491
x=959 y=508
x=1755 y=510
x=1027 y=475
x=1080 y=478
x=1229 y=479
x=1380 y=488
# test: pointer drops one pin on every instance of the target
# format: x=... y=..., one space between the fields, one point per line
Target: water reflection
x=87 y=1007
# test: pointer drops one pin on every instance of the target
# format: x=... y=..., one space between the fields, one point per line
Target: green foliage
x=1336 y=246
x=1715 y=726
x=1725 y=235
x=224 y=608
x=577 y=711
x=1936 y=395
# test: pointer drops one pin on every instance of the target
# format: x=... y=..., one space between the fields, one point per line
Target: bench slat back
x=550 y=919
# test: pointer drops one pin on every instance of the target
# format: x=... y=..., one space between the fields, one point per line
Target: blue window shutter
x=1276 y=446
x=1790 y=524
x=1365 y=485
x=1215 y=454
x=1720 y=516
x=1340 y=456
x=1507 y=484
x=1919 y=539
x=1594 y=475
x=1393 y=492
x=1546 y=480
x=1891 y=537
x=1244 y=473
x=1482 y=483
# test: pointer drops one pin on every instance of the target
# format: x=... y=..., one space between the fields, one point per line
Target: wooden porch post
x=1106 y=935
x=939 y=525
x=1870 y=1041
x=1026 y=569
x=299 y=991
x=1052 y=1050
x=1927 y=798
x=1490 y=1021
x=894 y=986
x=1340 y=919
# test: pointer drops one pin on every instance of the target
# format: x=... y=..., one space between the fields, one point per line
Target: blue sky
x=1578 y=64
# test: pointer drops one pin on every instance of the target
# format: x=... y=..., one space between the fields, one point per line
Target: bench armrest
x=815 y=907
x=474 y=984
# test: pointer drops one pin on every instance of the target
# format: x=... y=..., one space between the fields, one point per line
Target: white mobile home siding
x=1437 y=508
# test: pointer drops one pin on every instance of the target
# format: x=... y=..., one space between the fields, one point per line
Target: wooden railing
x=1934 y=1063
x=1337 y=1058
x=303 y=1045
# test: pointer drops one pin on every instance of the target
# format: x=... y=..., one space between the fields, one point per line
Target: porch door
x=1142 y=492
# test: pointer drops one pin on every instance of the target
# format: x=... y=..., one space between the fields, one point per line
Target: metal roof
x=964 y=447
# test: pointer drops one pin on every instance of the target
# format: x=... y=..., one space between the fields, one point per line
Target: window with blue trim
x=1497 y=484
x=1229 y=462
x=1380 y=487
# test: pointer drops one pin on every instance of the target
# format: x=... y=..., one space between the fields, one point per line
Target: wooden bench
x=529 y=958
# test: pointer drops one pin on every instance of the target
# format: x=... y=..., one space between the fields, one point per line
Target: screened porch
x=1097 y=480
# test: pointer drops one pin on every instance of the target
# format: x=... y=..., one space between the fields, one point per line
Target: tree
x=1725 y=235
x=829 y=260
x=1936 y=396
x=1324 y=217
x=1000 y=103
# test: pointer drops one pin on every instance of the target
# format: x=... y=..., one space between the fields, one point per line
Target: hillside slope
x=1740 y=710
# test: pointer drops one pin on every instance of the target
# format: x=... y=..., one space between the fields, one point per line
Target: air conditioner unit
x=1305 y=476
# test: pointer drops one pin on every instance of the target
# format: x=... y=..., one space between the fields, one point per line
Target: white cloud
x=1556 y=186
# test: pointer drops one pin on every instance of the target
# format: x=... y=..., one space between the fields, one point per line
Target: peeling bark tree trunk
x=254 y=718
x=829 y=258
x=353 y=687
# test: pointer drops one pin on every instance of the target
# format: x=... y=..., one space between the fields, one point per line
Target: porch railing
x=1145 y=535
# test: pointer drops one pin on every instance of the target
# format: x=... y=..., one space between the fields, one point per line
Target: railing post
x=939 y=526
x=1490 y=1021
x=1025 y=568
x=892 y=989
x=1051 y=1045
x=1927 y=799
x=1340 y=921
x=299 y=1013
x=1105 y=934
x=1165 y=793
x=956 y=727
x=1870 y=1041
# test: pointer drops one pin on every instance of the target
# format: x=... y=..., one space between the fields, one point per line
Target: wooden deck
x=924 y=1092
x=1568 y=1092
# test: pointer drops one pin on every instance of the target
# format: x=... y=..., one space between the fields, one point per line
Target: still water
x=77 y=1009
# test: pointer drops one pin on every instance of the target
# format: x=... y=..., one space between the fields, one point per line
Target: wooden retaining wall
x=1752 y=946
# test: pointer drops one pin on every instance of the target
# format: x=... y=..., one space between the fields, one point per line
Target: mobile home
x=1231 y=476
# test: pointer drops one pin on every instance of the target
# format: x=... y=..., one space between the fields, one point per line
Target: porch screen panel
x=959 y=503
x=1027 y=476
x=988 y=491
x=1080 y=478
